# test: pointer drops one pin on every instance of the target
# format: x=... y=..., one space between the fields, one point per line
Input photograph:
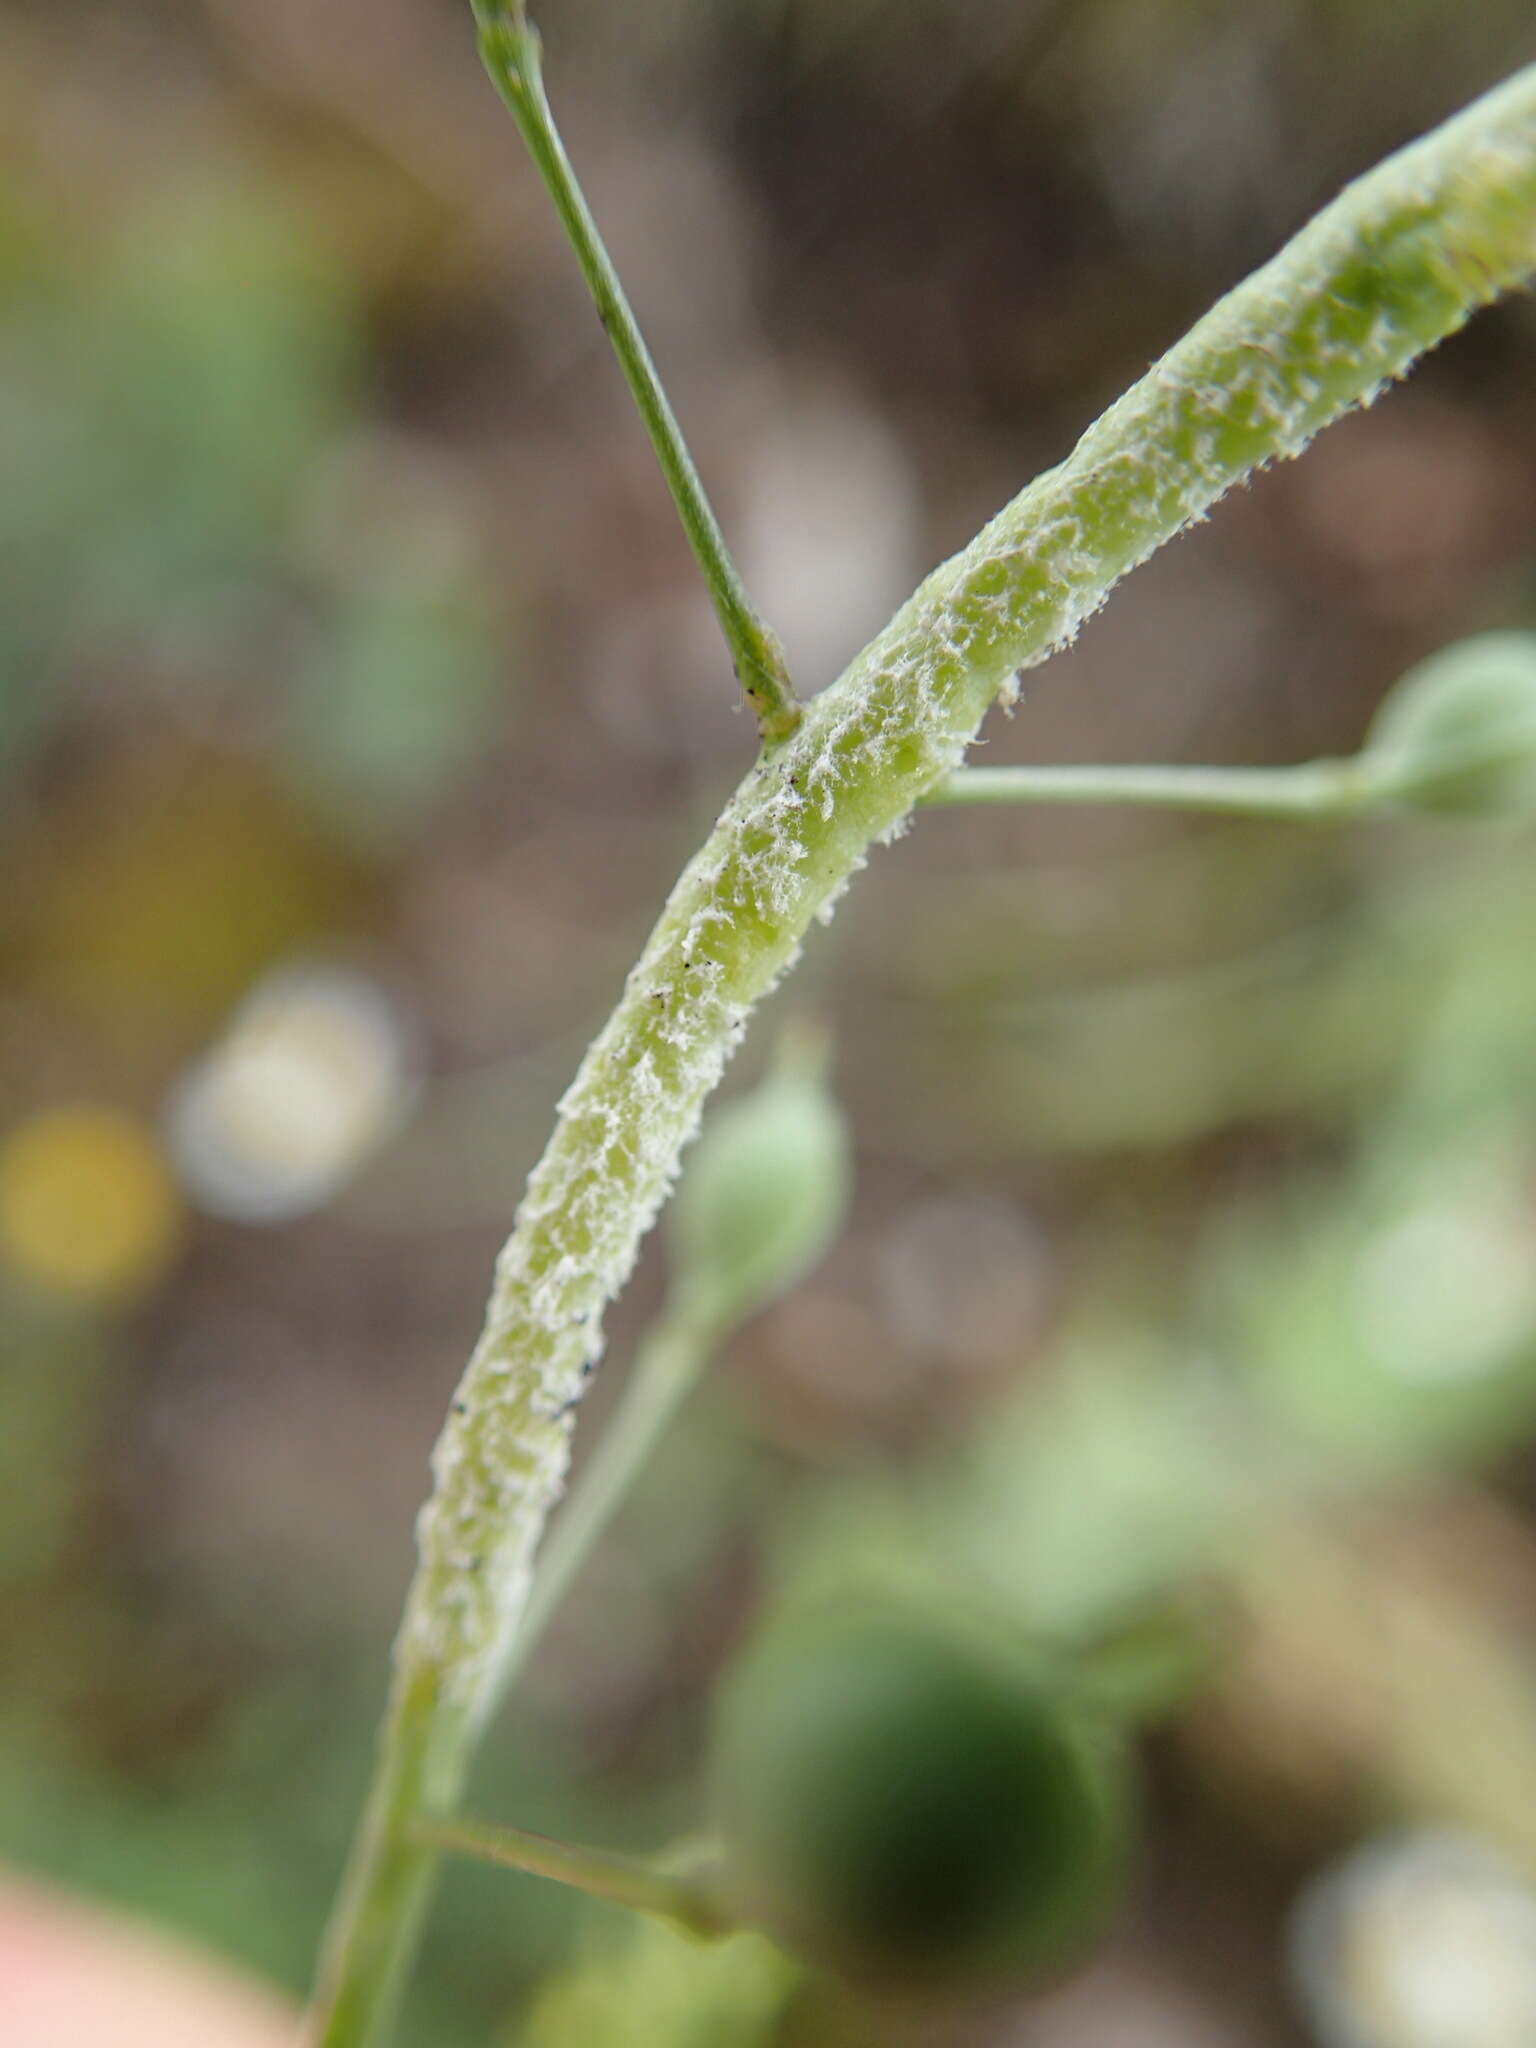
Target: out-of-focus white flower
x=312 y=1075
x=1426 y=1941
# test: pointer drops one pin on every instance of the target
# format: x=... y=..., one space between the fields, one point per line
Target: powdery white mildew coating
x=1394 y=265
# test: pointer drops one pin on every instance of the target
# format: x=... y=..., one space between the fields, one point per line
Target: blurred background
x=358 y=703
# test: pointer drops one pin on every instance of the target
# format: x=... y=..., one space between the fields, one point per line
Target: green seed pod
x=764 y=1193
x=909 y=1800
x=1458 y=733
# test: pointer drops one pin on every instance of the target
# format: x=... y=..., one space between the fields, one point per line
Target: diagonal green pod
x=1394 y=265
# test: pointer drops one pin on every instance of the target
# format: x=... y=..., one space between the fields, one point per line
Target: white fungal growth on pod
x=764 y=1192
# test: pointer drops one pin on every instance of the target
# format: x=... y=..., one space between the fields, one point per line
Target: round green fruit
x=909 y=1800
x=1458 y=733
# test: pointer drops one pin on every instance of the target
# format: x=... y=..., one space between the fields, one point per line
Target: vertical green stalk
x=1394 y=265
x=509 y=44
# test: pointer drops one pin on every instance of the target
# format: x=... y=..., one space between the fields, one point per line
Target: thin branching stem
x=686 y=1901
x=1311 y=789
x=510 y=46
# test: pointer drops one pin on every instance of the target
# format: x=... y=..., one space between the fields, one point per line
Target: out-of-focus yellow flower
x=88 y=1207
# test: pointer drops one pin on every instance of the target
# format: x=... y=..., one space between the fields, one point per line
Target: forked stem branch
x=510 y=46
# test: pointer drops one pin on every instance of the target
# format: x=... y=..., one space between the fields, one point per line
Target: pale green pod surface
x=1458 y=733
x=644 y=1985
x=763 y=1196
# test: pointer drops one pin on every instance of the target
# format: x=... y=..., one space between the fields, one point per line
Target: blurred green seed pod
x=907 y=1798
x=765 y=1191
x=642 y=1984
x=1457 y=734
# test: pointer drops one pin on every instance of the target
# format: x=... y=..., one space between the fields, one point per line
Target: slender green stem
x=390 y=1872
x=1148 y=1664
x=1312 y=789
x=666 y=1369
x=671 y=1895
x=1398 y=262
x=509 y=43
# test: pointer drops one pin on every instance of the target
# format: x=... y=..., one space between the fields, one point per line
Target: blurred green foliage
x=198 y=522
x=652 y=1988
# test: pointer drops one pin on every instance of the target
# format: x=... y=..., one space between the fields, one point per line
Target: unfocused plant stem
x=1392 y=267
x=623 y=1880
x=509 y=44
x=1312 y=789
